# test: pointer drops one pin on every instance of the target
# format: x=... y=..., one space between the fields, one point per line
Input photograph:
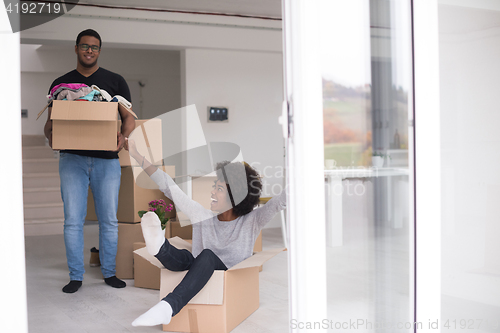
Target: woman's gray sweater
x=232 y=241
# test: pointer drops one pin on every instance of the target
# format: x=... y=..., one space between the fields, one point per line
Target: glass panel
x=366 y=69
x=469 y=36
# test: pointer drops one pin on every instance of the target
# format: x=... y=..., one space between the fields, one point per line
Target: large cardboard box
x=176 y=229
x=146 y=275
x=128 y=234
x=148 y=139
x=258 y=243
x=228 y=298
x=84 y=125
x=132 y=198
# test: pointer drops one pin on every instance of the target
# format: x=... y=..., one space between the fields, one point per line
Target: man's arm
x=48 y=128
x=128 y=125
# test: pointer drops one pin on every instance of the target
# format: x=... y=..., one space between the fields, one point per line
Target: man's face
x=87 y=58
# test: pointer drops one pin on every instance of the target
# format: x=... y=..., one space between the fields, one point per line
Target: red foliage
x=335 y=132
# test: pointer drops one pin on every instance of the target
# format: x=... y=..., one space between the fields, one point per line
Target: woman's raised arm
x=194 y=210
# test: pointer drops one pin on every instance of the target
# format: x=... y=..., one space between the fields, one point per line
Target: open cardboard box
x=227 y=299
x=84 y=125
x=147 y=275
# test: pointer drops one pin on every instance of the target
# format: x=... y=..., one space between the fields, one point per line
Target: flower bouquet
x=159 y=207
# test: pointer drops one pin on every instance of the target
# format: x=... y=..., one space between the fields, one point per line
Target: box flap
x=257 y=259
x=84 y=110
x=175 y=241
x=180 y=243
x=148 y=140
x=120 y=105
x=143 y=252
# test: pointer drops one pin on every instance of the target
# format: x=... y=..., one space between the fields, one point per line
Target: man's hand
x=47 y=129
x=50 y=142
x=120 y=139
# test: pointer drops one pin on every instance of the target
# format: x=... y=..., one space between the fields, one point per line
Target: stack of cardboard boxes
x=136 y=191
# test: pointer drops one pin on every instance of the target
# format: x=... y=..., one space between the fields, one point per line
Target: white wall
x=158 y=70
x=250 y=85
x=469 y=71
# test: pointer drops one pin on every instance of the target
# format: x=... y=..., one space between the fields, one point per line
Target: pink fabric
x=74 y=86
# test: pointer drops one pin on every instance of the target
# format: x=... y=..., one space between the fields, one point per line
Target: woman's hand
x=132 y=149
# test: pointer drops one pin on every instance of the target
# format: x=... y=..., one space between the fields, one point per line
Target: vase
x=377 y=161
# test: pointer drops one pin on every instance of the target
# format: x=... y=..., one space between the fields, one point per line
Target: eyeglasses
x=85 y=47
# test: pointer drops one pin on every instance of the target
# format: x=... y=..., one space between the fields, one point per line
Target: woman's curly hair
x=243 y=185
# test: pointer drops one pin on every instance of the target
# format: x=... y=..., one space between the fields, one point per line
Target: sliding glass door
x=367 y=85
x=362 y=65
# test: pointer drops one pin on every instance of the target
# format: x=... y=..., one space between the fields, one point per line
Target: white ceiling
x=266 y=8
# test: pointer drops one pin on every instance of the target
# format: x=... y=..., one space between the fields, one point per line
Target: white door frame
x=13 y=278
x=306 y=200
x=427 y=163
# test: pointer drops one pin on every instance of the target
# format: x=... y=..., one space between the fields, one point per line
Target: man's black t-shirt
x=113 y=83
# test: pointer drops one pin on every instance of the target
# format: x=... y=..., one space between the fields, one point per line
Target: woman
x=219 y=241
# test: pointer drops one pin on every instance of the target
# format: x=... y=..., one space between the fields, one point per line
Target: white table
x=334 y=191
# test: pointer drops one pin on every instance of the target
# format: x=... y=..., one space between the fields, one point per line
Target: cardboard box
x=258 y=243
x=184 y=232
x=84 y=125
x=146 y=275
x=128 y=234
x=228 y=298
x=132 y=198
x=148 y=139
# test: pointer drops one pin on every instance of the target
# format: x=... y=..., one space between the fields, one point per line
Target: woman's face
x=220 y=198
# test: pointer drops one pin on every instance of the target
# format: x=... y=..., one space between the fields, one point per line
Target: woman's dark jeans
x=200 y=270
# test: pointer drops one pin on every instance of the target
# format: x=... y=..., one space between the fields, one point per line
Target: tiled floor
x=97 y=307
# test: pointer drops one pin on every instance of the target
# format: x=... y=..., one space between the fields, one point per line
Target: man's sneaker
x=94 y=257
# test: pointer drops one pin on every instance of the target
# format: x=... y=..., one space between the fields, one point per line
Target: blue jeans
x=200 y=271
x=103 y=175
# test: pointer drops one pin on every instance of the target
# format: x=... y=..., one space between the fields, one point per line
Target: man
x=100 y=169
